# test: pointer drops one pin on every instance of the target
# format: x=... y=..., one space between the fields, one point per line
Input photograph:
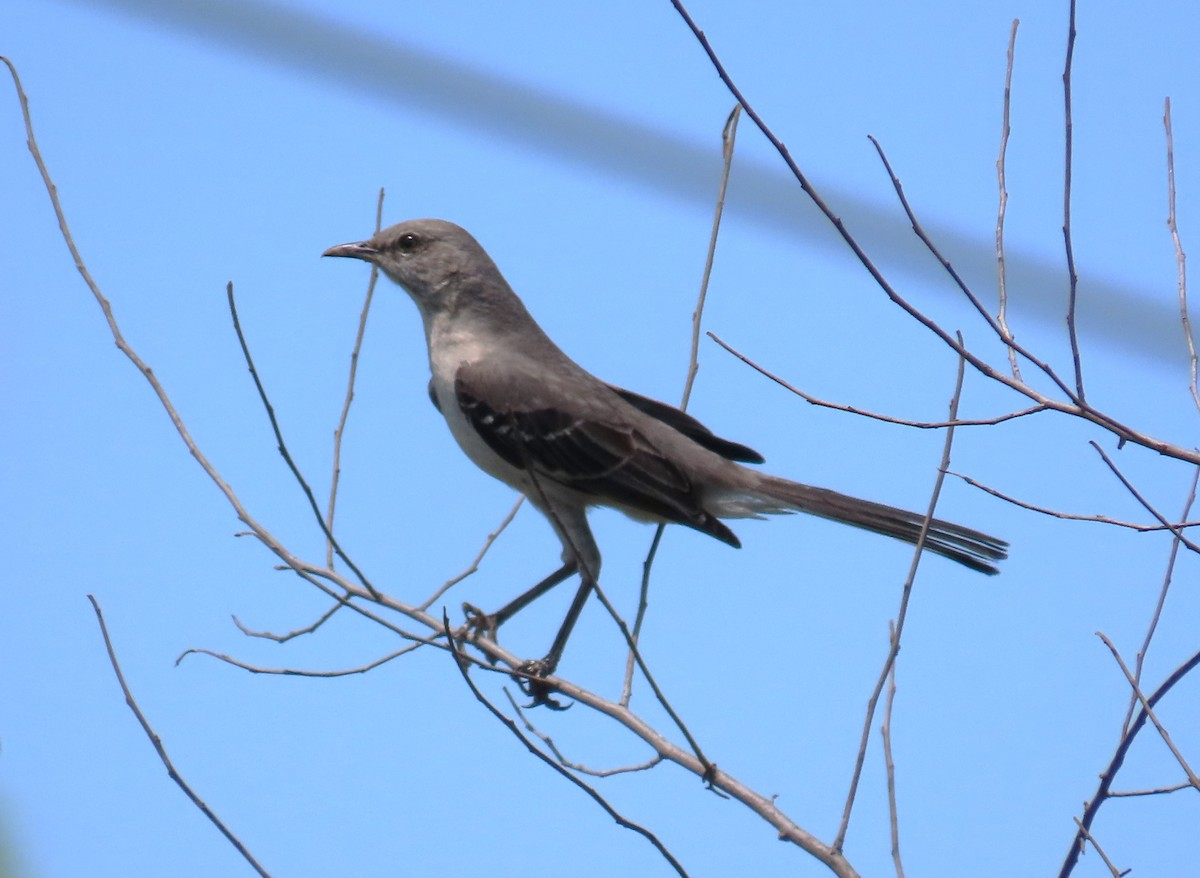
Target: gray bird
x=528 y=415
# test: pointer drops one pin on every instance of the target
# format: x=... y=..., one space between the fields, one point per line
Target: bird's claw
x=478 y=623
x=530 y=675
x=531 y=678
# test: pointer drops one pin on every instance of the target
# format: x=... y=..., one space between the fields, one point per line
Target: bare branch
x=1172 y=557
x=1075 y=406
x=474 y=566
x=885 y=732
x=294 y=672
x=1180 y=256
x=952 y=272
x=902 y=614
x=887 y=419
x=660 y=696
x=1116 y=873
x=309 y=573
x=1069 y=516
x=340 y=429
x=764 y=806
x=575 y=766
x=1148 y=709
x=1157 y=791
x=640 y=616
x=298 y=632
x=1073 y=278
x=728 y=140
x=283 y=449
x=1173 y=528
x=261 y=533
x=1001 y=272
x=591 y=791
x=157 y=741
x=1109 y=775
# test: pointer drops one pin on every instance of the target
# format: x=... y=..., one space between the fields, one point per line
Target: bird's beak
x=360 y=250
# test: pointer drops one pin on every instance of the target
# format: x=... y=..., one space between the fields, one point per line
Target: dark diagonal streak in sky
x=1136 y=321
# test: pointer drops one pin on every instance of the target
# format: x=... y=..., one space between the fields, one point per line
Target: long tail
x=968 y=547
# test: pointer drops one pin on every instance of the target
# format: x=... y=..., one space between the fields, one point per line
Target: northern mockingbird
x=527 y=414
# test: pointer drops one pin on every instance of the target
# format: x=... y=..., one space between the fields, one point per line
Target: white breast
x=450 y=348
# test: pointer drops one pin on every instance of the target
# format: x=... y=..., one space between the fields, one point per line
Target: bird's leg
x=545 y=667
x=569 y=519
x=488 y=624
x=589 y=567
x=579 y=552
x=533 y=684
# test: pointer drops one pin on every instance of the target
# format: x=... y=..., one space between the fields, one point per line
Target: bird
x=527 y=414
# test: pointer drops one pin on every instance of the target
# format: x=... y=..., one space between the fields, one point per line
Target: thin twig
x=764 y=806
x=1070 y=516
x=282 y=445
x=1168 y=575
x=887 y=419
x=728 y=139
x=264 y=536
x=1157 y=791
x=509 y=724
x=294 y=672
x=474 y=566
x=1180 y=256
x=567 y=763
x=902 y=614
x=885 y=732
x=340 y=429
x=1074 y=407
x=1149 y=710
x=1109 y=775
x=298 y=632
x=1072 y=276
x=1116 y=873
x=640 y=616
x=659 y=695
x=975 y=301
x=1173 y=528
x=1001 y=271
x=156 y=741
x=314 y=576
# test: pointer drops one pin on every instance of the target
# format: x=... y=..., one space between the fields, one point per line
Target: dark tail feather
x=968 y=547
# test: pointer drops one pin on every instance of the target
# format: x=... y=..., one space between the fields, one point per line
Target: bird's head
x=430 y=258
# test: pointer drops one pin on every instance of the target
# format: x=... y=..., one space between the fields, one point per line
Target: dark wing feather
x=688 y=426
x=611 y=462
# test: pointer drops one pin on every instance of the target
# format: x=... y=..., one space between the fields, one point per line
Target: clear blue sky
x=197 y=143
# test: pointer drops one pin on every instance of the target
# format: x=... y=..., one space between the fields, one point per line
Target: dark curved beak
x=360 y=250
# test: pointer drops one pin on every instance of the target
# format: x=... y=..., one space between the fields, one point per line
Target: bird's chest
x=450 y=349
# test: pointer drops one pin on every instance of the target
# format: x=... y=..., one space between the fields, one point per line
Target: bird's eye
x=407 y=243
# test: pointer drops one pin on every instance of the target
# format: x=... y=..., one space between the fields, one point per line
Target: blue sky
x=199 y=143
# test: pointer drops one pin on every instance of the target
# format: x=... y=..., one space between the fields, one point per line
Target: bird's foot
x=478 y=624
x=531 y=678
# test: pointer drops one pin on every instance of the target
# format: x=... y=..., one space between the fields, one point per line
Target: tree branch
x=156 y=741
